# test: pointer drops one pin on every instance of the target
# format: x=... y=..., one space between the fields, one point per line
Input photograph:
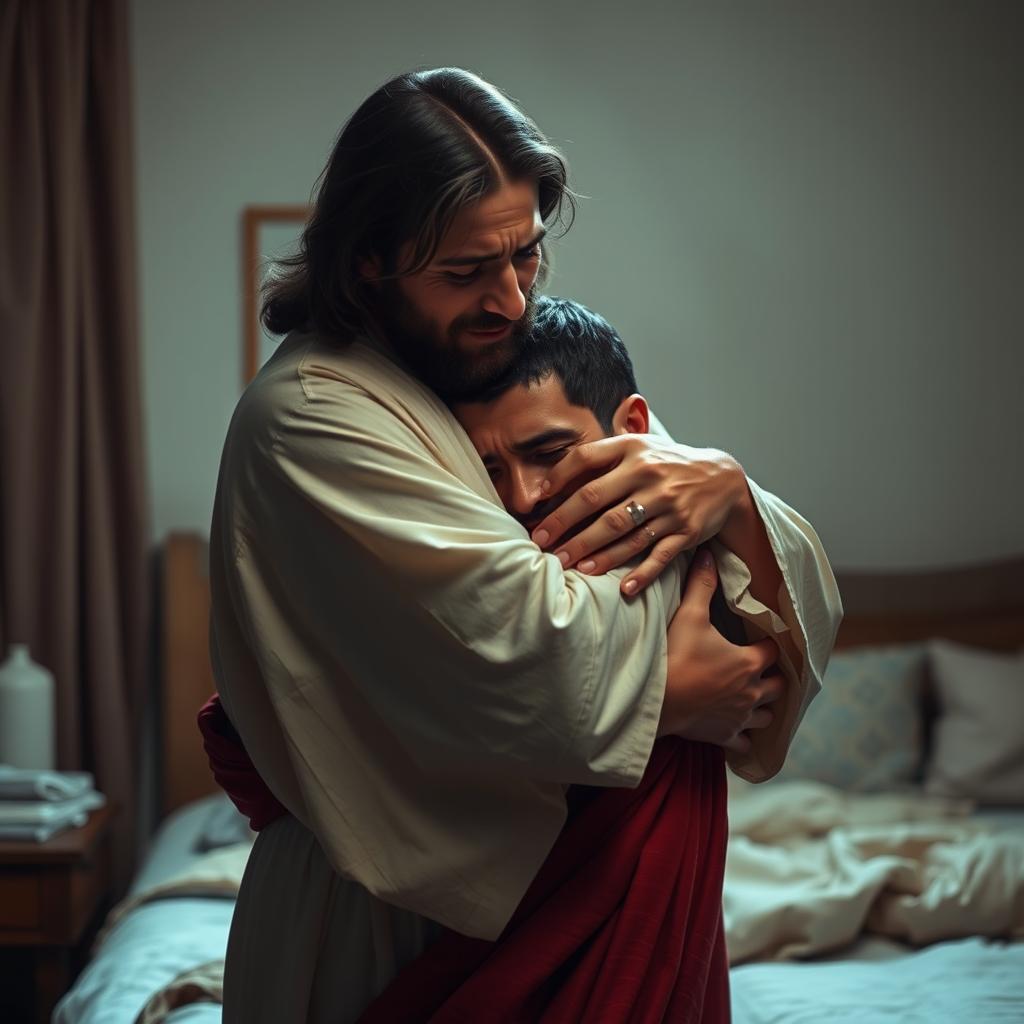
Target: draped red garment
x=232 y=769
x=621 y=925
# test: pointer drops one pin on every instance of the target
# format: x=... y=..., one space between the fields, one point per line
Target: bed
x=885 y=889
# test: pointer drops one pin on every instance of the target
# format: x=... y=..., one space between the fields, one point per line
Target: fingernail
x=706 y=558
x=546 y=486
x=586 y=566
x=630 y=587
x=563 y=557
x=541 y=537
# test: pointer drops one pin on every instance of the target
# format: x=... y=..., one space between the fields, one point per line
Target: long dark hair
x=420 y=148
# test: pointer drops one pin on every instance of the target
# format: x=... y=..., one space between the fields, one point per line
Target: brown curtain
x=72 y=502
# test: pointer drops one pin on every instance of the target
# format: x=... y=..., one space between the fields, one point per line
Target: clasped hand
x=686 y=493
x=715 y=690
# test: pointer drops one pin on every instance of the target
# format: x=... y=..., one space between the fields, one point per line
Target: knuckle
x=589 y=495
x=663 y=554
x=755 y=662
x=554 y=524
x=639 y=540
x=615 y=519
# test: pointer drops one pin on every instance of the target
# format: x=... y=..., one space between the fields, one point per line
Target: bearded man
x=415 y=678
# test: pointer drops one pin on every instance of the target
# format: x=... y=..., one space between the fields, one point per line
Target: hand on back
x=716 y=690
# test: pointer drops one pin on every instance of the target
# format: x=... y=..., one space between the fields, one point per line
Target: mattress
x=878 y=982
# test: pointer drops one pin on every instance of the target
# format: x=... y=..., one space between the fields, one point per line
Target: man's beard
x=441 y=361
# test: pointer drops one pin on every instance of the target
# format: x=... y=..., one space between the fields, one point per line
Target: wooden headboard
x=186 y=679
x=981 y=605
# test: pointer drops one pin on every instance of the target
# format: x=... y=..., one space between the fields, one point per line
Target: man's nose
x=505 y=297
x=524 y=491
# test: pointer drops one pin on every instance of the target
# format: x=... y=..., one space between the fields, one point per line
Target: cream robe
x=412 y=677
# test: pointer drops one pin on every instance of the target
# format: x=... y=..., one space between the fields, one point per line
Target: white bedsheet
x=158 y=940
x=968 y=981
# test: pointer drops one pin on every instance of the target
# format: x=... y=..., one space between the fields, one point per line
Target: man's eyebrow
x=466 y=261
x=552 y=436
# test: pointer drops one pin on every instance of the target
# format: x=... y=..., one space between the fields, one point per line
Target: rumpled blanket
x=809 y=868
x=201 y=984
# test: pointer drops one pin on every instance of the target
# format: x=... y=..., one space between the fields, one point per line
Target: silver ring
x=637 y=513
x=650 y=533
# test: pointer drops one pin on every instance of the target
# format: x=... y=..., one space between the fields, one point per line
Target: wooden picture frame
x=268 y=232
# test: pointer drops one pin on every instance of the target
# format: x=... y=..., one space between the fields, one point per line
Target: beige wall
x=804 y=218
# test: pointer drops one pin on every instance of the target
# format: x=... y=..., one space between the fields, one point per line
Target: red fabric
x=622 y=925
x=233 y=770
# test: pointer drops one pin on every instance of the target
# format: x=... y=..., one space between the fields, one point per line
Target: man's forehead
x=527 y=411
x=509 y=214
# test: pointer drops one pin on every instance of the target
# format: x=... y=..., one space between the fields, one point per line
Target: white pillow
x=223 y=825
x=978 y=740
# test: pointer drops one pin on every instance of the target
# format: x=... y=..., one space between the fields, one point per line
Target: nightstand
x=52 y=896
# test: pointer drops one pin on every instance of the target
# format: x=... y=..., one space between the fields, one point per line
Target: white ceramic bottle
x=27 y=723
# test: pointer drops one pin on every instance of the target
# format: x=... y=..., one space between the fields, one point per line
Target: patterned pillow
x=864 y=731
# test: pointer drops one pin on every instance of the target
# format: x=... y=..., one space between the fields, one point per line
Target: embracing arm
x=746 y=536
x=773 y=570
x=777 y=579
x=352 y=540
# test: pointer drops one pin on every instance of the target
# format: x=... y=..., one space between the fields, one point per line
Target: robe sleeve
x=811 y=611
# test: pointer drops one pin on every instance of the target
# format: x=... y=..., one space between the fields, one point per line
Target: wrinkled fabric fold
x=622 y=924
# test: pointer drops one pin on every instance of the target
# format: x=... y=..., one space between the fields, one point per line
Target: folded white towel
x=42 y=812
x=42 y=784
x=40 y=833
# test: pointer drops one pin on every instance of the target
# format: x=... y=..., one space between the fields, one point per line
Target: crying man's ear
x=632 y=416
